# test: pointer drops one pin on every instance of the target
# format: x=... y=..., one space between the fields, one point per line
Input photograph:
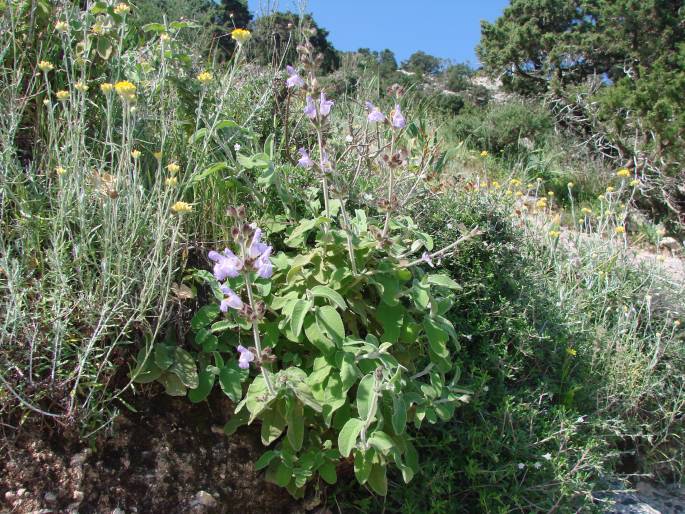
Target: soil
x=170 y=457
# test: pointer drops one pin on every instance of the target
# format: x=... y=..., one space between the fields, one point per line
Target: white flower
x=581 y=419
x=237 y=147
x=521 y=465
x=537 y=465
x=547 y=456
x=348 y=138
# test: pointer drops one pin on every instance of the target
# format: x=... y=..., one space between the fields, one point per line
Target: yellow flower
x=541 y=203
x=241 y=35
x=620 y=230
x=571 y=352
x=60 y=170
x=171 y=181
x=530 y=185
x=570 y=185
x=551 y=193
x=610 y=189
x=554 y=234
x=81 y=86
x=158 y=155
x=484 y=153
x=519 y=194
x=495 y=184
x=122 y=8
x=106 y=87
x=581 y=221
x=181 y=207
x=173 y=168
x=165 y=37
x=61 y=26
x=62 y=95
x=126 y=90
x=45 y=66
x=515 y=182
x=677 y=323
x=634 y=183
x=135 y=153
x=205 y=77
x=623 y=172
x=585 y=210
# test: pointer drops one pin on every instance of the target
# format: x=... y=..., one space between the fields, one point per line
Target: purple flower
x=246 y=356
x=426 y=257
x=398 y=120
x=294 y=80
x=375 y=114
x=261 y=252
x=310 y=108
x=232 y=300
x=305 y=161
x=227 y=264
x=326 y=165
x=325 y=105
x=263 y=264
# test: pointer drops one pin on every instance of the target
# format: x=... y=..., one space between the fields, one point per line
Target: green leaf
x=211 y=170
x=236 y=421
x=348 y=370
x=347 y=438
x=381 y=442
x=104 y=47
x=390 y=288
x=363 y=462
x=206 y=382
x=437 y=338
x=327 y=472
x=172 y=385
x=330 y=322
x=164 y=356
x=378 y=479
x=296 y=237
x=146 y=370
x=364 y=394
x=300 y=310
x=154 y=27
x=230 y=381
x=204 y=317
x=265 y=459
x=184 y=368
x=399 y=414
x=330 y=294
x=443 y=280
x=273 y=423
x=316 y=336
x=283 y=475
x=392 y=319
x=295 y=419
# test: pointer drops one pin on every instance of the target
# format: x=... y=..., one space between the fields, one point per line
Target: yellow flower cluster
x=634 y=183
x=106 y=87
x=62 y=95
x=570 y=185
x=81 y=86
x=122 y=9
x=173 y=168
x=126 y=90
x=515 y=182
x=181 y=207
x=541 y=203
x=550 y=194
x=241 y=35
x=165 y=37
x=205 y=77
x=620 y=230
x=554 y=234
x=171 y=181
x=60 y=170
x=61 y=26
x=610 y=189
x=571 y=352
x=45 y=66
x=585 y=210
x=135 y=154
x=623 y=172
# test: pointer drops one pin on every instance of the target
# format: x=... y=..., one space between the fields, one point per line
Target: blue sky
x=445 y=28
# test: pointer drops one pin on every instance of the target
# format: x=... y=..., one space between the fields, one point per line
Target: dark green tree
x=422 y=63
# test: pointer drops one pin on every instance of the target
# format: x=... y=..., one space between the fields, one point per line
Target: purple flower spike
x=227 y=264
x=325 y=105
x=375 y=114
x=305 y=161
x=426 y=257
x=232 y=300
x=294 y=80
x=398 y=120
x=257 y=248
x=310 y=108
x=246 y=356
